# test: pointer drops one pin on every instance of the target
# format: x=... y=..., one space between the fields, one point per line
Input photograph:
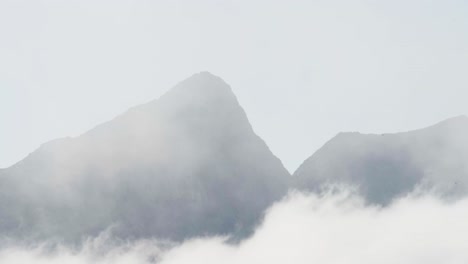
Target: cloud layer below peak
x=337 y=227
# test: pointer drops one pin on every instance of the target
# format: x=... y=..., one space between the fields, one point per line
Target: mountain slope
x=391 y=165
x=187 y=164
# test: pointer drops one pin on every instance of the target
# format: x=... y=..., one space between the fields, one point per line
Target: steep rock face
x=187 y=164
x=387 y=166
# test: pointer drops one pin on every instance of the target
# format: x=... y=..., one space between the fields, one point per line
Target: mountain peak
x=201 y=89
x=388 y=166
x=204 y=82
x=162 y=169
x=205 y=76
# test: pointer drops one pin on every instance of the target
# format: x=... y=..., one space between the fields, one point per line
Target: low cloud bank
x=337 y=227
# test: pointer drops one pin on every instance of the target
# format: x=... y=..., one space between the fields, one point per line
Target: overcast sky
x=303 y=70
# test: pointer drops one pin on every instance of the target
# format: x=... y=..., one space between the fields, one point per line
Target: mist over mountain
x=384 y=167
x=185 y=165
x=190 y=165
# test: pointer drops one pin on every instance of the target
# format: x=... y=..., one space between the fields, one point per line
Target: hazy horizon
x=233 y=131
x=291 y=170
x=303 y=71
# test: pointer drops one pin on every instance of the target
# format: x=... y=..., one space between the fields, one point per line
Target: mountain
x=387 y=166
x=188 y=164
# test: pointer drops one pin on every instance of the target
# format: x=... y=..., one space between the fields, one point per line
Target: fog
x=121 y=170
x=336 y=227
x=184 y=165
x=185 y=179
x=387 y=166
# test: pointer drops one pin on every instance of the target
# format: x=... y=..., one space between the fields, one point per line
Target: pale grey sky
x=303 y=70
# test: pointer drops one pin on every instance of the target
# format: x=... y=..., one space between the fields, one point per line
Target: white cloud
x=334 y=228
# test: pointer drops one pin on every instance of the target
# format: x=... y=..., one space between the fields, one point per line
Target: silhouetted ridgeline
x=388 y=166
x=189 y=164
